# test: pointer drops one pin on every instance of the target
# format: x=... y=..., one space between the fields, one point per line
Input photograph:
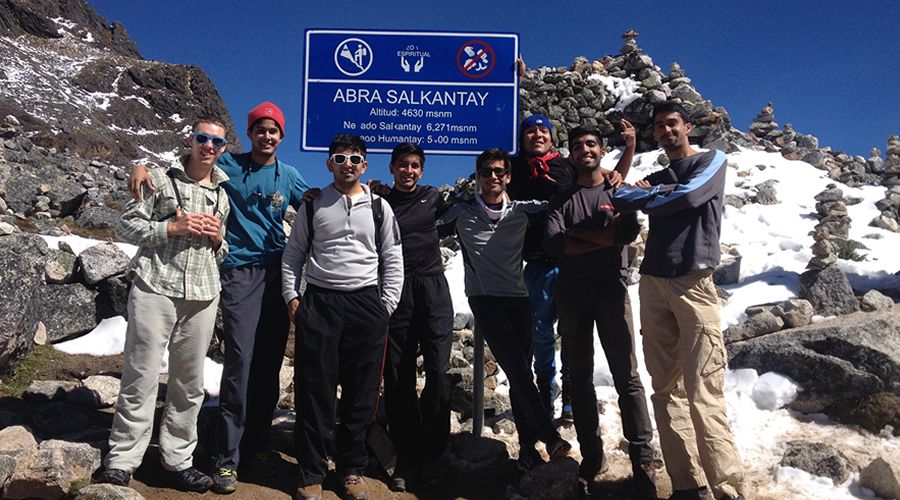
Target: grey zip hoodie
x=343 y=255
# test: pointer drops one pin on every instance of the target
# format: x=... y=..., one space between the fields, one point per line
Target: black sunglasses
x=340 y=159
x=217 y=141
x=487 y=172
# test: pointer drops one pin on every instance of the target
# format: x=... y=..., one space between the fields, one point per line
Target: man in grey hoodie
x=354 y=275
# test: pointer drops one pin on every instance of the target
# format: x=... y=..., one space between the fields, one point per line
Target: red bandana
x=540 y=167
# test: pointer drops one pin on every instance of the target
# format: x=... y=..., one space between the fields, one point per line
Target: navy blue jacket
x=685 y=209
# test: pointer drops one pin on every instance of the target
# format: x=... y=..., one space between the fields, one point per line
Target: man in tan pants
x=683 y=345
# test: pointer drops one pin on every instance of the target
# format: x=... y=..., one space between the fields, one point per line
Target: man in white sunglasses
x=350 y=242
x=255 y=324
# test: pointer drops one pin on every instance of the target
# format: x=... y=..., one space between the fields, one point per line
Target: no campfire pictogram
x=475 y=59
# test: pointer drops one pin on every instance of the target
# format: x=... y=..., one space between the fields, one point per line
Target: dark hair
x=490 y=156
x=407 y=148
x=580 y=130
x=347 y=141
x=667 y=107
x=212 y=120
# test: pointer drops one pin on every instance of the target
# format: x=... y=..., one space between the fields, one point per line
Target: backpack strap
x=310 y=212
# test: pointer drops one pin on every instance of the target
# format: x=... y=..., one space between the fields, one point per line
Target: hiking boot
x=528 y=459
x=261 y=464
x=592 y=467
x=644 y=475
x=308 y=492
x=117 y=477
x=558 y=449
x=701 y=493
x=191 y=479
x=224 y=481
x=355 y=487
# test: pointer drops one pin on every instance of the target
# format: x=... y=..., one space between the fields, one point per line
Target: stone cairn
x=832 y=231
x=764 y=124
x=890 y=204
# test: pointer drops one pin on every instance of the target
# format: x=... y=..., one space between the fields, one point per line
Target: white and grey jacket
x=492 y=251
x=344 y=255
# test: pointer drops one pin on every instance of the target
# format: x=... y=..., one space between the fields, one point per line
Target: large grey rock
x=829 y=291
x=463 y=320
x=557 y=479
x=728 y=272
x=766 y=193
x=873 y=300
x=7 y=466
x=758 y=324
x=22 y=259
x=61 y=267
x=52 y=470
x=66 y=310
x=819 y=459
x=102 y=261
x=104 y=388
x=836 y=362
x=113 y=298
x=107 y=492
x=45 y=391
x=17 y=440
x=795 y=312
x=882 y=476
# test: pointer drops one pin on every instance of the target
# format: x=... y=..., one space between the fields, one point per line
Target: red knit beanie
x=266 y=110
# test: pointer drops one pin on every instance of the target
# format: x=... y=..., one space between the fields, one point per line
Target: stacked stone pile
x=889 y=206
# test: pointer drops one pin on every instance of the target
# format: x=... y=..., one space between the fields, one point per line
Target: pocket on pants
x=713 y=356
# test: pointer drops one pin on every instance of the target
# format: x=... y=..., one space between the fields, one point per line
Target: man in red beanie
x=255 y=317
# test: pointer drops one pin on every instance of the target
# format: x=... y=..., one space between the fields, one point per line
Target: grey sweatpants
x=154 y=321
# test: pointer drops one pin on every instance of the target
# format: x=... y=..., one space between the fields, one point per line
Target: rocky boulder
x=52 y=470
x=66 y=310
x=819 y=459
x=882 y=476
x=102 y=261
x=22 y=258
x=828 y=290
x=107 y=492
x=105 y=389
x=46 y=391
x=16 y=441
x=837 y=362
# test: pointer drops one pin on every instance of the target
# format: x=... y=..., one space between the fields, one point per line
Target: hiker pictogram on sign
x=475 y=59
x=353 y=56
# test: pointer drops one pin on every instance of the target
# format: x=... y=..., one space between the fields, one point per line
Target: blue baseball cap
x=535 y=120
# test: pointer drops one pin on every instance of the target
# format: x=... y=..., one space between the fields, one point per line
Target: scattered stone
x=16 y=441
x=107 y=492
x=760 y=324
x=6 y=228
x=104 y=388
x=795 y=312
x=53 y=470
x=728 y=272
x=470 y=454
x=873 y=300
x=22 y=258
x=766 y=194
x=60 y=268
x=882 y=476
x=819 y=459
x=102 y=261
x=828 y=290
x=68 y=310
x=7 y=466
x=45 y=391
x=463 y=320
x=557 y=479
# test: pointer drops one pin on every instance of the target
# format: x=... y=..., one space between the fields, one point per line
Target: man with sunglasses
x=588 y=237
x=177 y=228
x=491 y=230
x=354 y=276
x=255 y=323
x=422 y=322
x=538 y=173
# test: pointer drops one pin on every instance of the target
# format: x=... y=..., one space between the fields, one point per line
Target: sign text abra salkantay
x=450 y=93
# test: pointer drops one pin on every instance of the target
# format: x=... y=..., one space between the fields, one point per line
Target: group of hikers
x=210 y=232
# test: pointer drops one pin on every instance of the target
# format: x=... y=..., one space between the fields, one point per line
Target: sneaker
x=644 y=475
x=701 y=493
x=308 y=492
x=355 y=487
x=591 y=468
x=398 y=484
x=225 y=481
x=528 y=459
x=558 y=449
x=191 y=479
x=117 y=477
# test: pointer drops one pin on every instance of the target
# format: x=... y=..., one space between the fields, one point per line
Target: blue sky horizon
x=829 y=70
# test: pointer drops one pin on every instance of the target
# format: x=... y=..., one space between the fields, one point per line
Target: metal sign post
x=450 y=93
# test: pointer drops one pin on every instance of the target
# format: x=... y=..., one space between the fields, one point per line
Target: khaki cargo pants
x=685 y=356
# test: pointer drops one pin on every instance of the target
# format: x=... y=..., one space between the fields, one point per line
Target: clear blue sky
x=830 y=68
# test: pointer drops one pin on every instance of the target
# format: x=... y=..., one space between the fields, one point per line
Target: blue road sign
x=451 y=93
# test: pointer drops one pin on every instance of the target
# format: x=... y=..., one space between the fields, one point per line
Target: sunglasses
x=487 y=172
x=341 y=159
x=217 y=141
